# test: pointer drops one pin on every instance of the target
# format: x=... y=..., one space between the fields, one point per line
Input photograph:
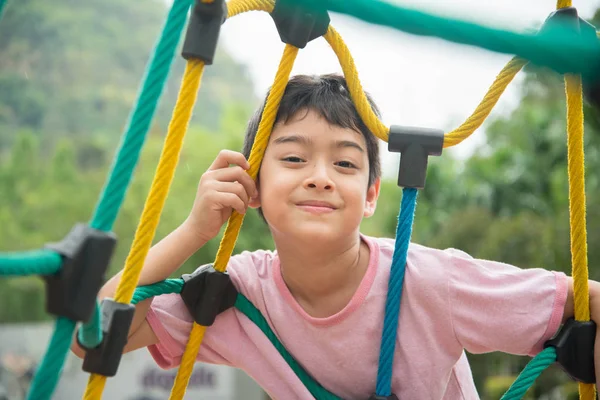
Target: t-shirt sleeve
x=172 y=323
x=499 y=307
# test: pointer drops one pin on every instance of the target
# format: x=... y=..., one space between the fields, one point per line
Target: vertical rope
x=392 y=306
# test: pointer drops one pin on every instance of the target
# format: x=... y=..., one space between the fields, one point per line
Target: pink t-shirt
x=450 y=303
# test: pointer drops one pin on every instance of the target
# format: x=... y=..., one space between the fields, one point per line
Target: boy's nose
x=319 y=179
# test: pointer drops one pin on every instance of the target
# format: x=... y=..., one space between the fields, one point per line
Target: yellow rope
x=356 y=90
x=577 y=202
x=156 y=199
x=487 y=104
x=235 y=221
x=235 y=7
x=563 y=3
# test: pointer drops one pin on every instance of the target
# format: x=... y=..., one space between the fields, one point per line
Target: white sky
x=414 y=80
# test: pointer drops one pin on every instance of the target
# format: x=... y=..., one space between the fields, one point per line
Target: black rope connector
x=207 y=293
x=116 y=321
x=390 y=397
x=415 y=145
x=203 y=30
x=574 y=345
x=86 y=254
x=580 y=28
x=297 y=25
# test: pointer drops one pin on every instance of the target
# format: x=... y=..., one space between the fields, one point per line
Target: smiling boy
x=323 y=289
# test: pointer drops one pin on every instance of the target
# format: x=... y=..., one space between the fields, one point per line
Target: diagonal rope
x=235 y=221
x=156 y=198
x=129 y=150
x=532 y=371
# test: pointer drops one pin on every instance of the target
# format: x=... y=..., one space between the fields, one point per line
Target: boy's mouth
x=316 y=207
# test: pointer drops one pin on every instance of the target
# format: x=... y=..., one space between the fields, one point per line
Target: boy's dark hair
x=329 y=96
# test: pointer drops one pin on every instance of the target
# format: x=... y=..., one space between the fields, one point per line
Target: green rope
x=90 y=334
x=139 y=121
x=531 y=372
x=165 y=287
x=555 y=48
x=48 y=373
x=38 y=262
x=2 y=5
x=248 y=309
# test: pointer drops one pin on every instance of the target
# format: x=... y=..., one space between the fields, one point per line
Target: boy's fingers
x=236 y=174
x=227 y=158
x=234 y=188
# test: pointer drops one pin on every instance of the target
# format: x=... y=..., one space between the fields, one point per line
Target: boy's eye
x=293 y=159
x=345 y=164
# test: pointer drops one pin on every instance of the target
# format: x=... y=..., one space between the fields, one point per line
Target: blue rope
x=392 y=306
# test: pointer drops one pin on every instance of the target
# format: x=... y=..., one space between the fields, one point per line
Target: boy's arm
x=162 y=260
x=594 y=289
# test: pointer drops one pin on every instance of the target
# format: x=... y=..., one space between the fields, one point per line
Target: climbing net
x=74 y=268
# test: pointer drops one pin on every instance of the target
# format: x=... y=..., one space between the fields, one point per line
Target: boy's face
x=314 y=180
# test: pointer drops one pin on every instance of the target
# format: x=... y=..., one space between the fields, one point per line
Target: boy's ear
x=372 y=196
x=255 y=201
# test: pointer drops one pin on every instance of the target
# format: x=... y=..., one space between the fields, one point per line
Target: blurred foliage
x=68 y=79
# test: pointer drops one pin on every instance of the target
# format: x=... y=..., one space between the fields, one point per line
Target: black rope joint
x=415 y=145
x=390 y=397
x=297 y=25
x=580 y=28
x=207 y=293
x=203 y=30
x=116 y=321
x=574 y=345
x=86 y=254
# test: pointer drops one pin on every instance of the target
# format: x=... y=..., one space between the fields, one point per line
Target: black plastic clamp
x=297 y=25
x=574 y=345
x=86 y=254
x=203 y=30
x=390 y=397
x=568 y=17
x=415 y=145
x=207 y=293
x=116 y=321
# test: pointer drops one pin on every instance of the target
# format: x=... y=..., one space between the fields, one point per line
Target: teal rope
x=555 y=48
x=139 y=122
x=90 y=334
x=531 y=372
x=248 y=309
x=38 y=262
x=2 y=4
x=165 y=287
x=48 y=373
x=389 y=333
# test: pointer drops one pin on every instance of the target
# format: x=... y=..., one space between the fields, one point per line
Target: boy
x=323 y=290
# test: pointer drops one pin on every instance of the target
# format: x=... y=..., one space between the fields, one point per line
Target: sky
x=415 y=81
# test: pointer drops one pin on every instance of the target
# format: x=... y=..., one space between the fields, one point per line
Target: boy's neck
x=323 y=278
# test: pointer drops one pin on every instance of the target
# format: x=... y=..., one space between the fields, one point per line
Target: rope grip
x=390 y=397
x=580 y=28
x=86 y=254
x=574 y=345
x=116 y=321
x=206 y=293
x=415 y=145
x=297 y=25
x=203 y=30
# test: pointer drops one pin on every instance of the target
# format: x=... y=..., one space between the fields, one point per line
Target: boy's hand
x=221 y=190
